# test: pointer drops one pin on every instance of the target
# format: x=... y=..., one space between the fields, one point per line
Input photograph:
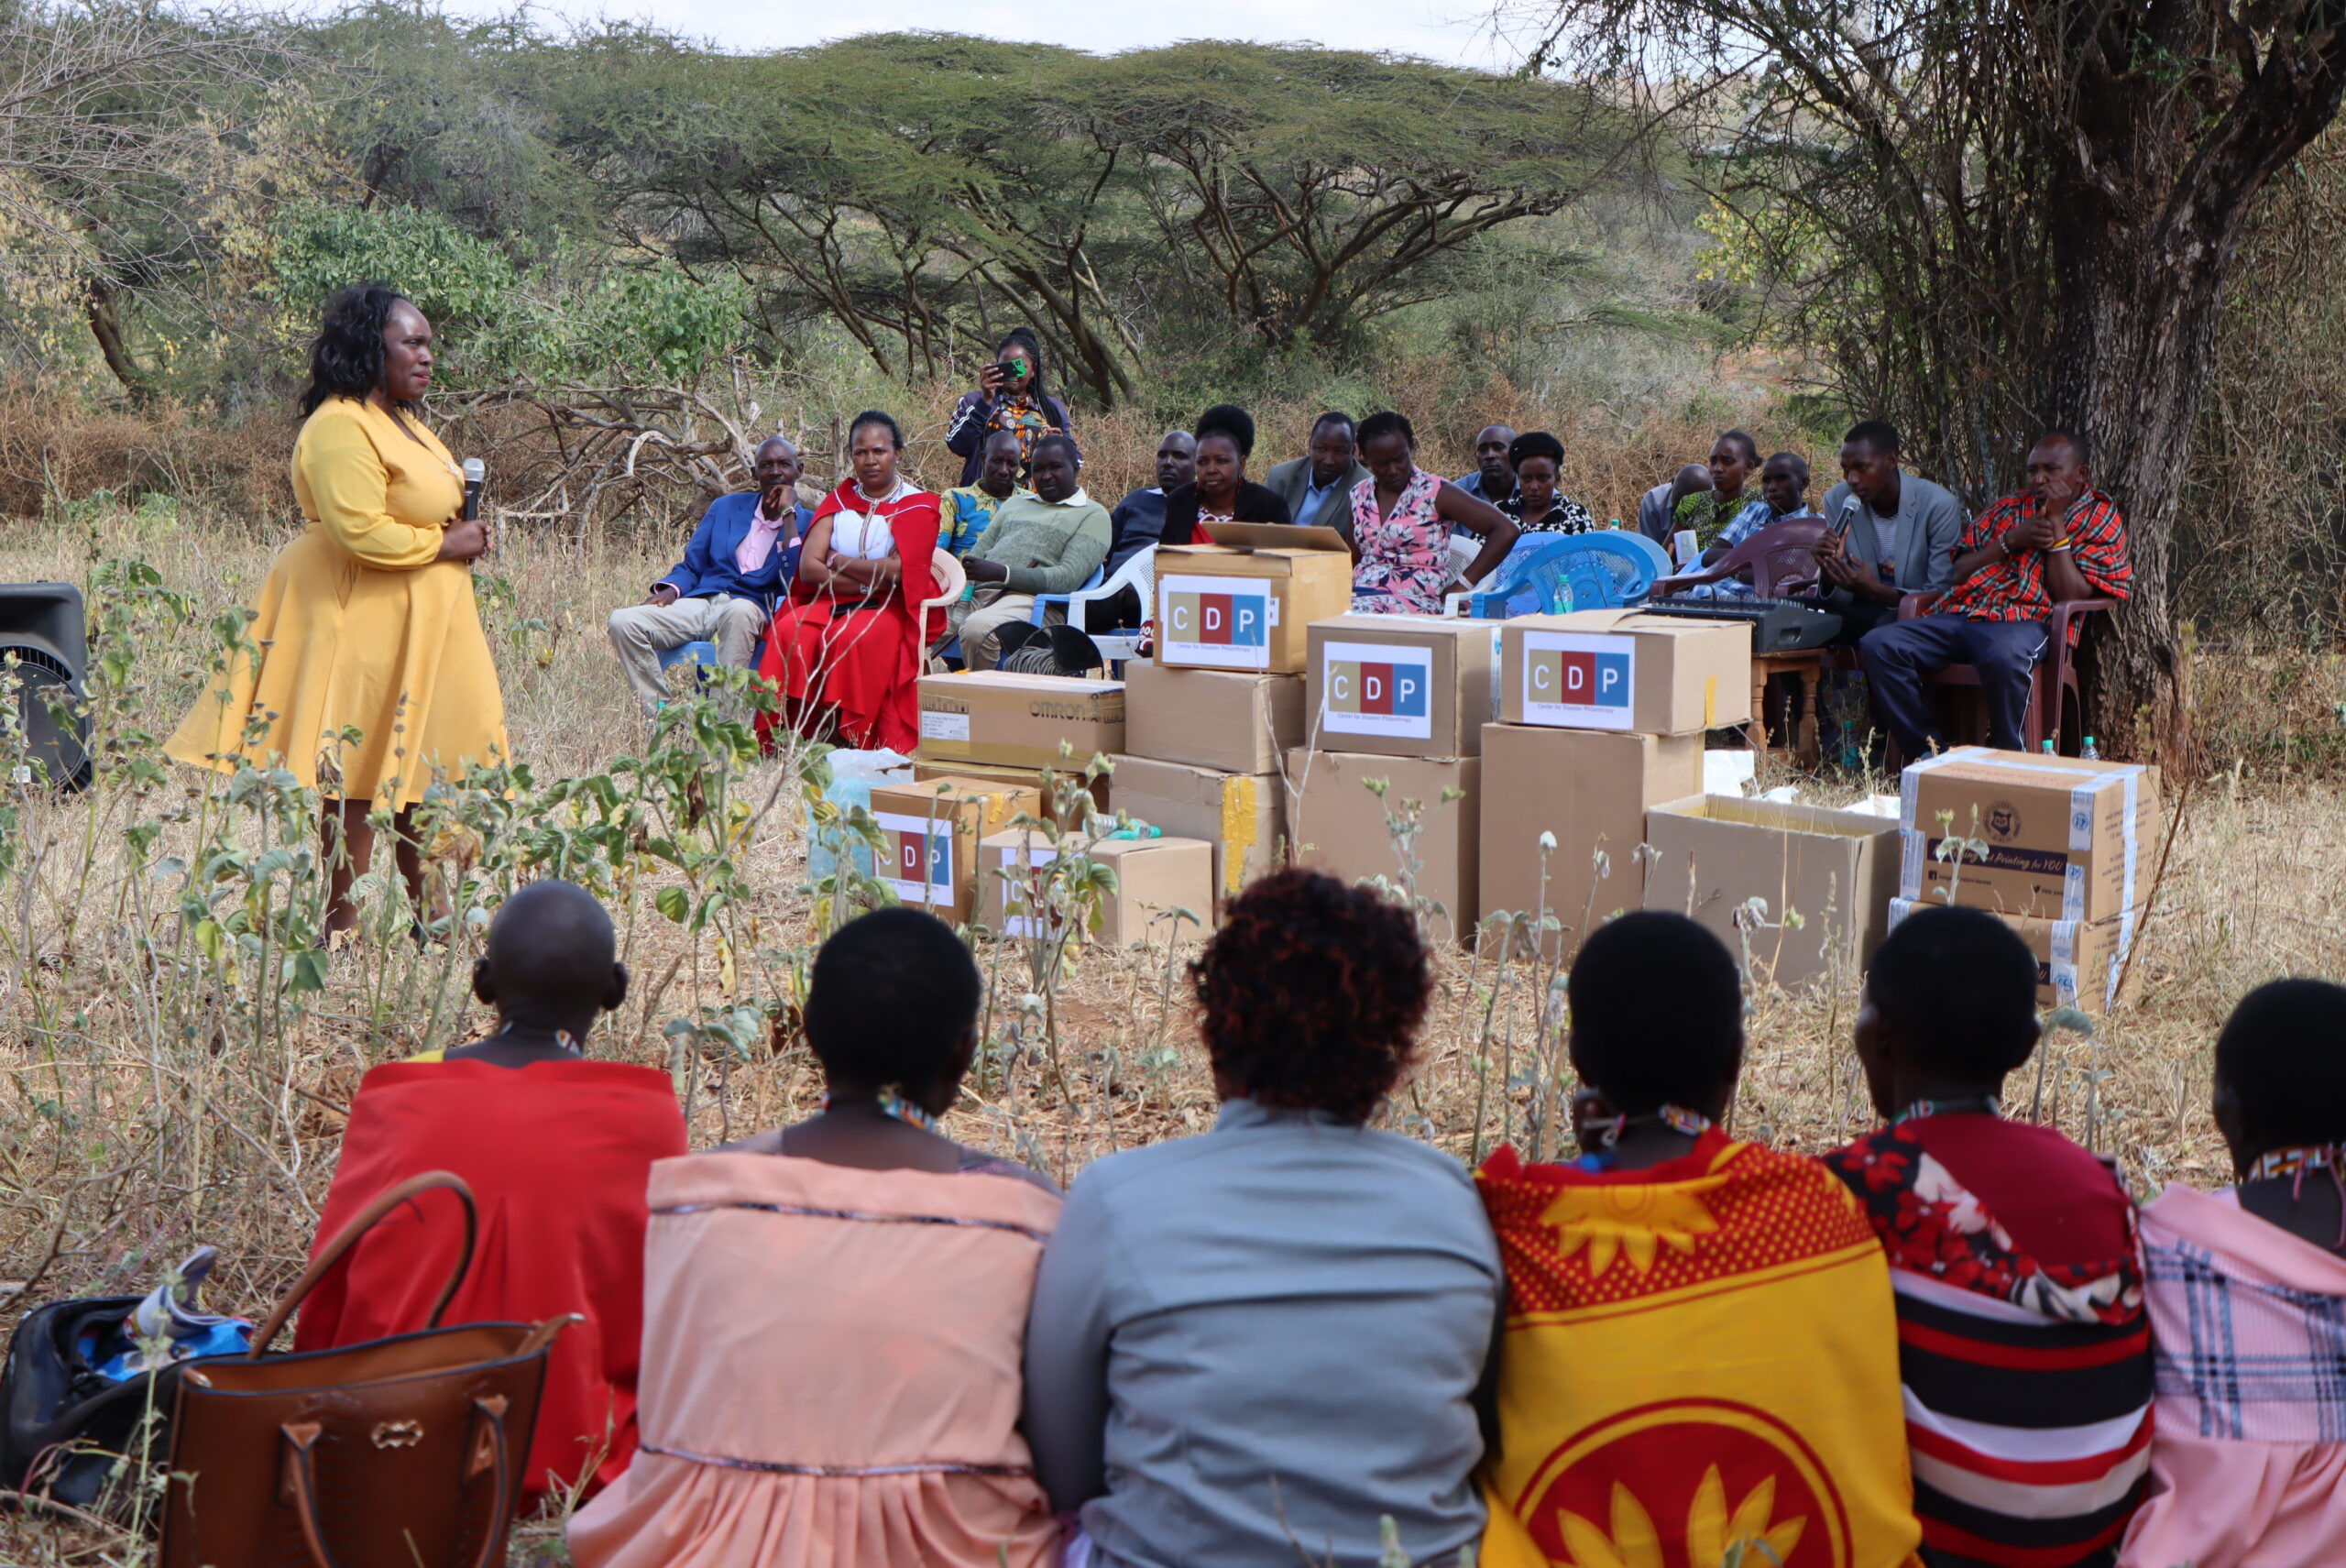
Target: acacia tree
x=2003 y=214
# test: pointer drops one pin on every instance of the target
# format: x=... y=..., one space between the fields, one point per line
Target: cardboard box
x=1018 y=722
x=2077 y=965
x=2067 y=839
x=1242 y=816
x=1244 y=601
x=929 y=832
x=1338 y=825
x=1025 y=778
x=1591 y=789
x=1839 y=869
x=1234 y=720
x=1616 y=669
x=1154 y=877
x=1407 y=686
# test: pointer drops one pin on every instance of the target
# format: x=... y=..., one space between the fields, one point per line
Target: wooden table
x=1807 y=664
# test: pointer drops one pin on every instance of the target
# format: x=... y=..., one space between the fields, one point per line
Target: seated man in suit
x=2060 y=539
x=741 y=557
x=1893 y=534
x=1317 y=487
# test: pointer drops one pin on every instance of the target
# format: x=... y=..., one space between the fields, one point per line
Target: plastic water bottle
x=2048 y=749
x=2092 y=753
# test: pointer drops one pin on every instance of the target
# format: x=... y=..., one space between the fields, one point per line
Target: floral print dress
x=1404 y=556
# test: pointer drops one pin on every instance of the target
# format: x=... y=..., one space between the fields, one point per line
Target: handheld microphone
x=476 y=472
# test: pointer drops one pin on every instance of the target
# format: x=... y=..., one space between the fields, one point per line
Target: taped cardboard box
x=2077 y=965
x=1234 y=720
x=1407 y=686
x=1242 y=816
x=1027 y=778
x=1837 y=870
x=2067 y=839
x=929 y=832
x=1591 y=789
x=1616 y=669
x=1338 y=825
x=1155 y=878
x=1244 y=601
x=1018 y=722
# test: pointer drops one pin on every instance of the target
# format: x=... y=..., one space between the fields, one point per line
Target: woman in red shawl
x=847 y=651
x=558 y=1152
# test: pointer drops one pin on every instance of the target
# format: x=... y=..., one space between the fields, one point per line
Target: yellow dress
x=360 y=628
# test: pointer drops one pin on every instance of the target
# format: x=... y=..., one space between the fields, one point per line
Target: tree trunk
x=104 y=306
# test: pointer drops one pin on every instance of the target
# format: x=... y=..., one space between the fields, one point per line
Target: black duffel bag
x=67 y=1427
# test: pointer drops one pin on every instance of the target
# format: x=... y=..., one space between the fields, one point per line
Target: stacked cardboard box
x=2058 y=846
x=1399 y=701
x=1243 y=602
x=1601 y=717
x=929 y=834
x=1002 y=720
x=1156 y=879
x=1715 y=855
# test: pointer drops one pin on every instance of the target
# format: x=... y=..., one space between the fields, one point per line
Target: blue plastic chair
x=1043 y=601
x=1612 y=569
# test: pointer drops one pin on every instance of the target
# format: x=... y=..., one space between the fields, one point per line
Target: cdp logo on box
x=1215 y=622
x=1586 y=682
x=1376 y=689
x=916 y=858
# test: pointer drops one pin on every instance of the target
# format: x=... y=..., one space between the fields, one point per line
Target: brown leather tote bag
x=400 y=1452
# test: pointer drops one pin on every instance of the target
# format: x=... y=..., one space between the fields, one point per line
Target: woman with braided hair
x=1274 y=1333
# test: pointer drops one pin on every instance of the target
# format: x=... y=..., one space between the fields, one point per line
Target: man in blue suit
x=743 y=558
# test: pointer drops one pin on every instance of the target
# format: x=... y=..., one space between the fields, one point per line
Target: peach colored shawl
x=831 y=1373
x=2248 y=1455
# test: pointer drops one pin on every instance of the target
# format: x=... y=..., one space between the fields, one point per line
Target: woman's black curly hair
x=1313 y=993
x=346 y=356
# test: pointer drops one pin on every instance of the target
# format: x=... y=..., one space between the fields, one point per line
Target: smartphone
x=1014 y=368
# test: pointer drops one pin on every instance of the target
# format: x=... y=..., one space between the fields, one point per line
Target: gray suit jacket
x=1292 y=480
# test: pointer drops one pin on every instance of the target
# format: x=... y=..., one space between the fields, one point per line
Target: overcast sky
x=1454 y=31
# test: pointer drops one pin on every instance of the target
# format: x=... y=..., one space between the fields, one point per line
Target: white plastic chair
x=1139 y=574
x=951 y=579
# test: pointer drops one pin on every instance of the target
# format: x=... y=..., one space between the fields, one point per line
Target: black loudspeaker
x=44 y=653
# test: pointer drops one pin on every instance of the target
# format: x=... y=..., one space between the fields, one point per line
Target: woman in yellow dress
x=371 y=675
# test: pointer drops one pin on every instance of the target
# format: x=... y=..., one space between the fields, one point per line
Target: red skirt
x=865 y=662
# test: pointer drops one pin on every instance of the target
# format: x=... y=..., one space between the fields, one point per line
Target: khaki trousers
x=642 y=633
x=985 y=618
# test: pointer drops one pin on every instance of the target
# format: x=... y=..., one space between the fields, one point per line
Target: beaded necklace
x=893 y=1104
x=2294 y=1163
x=1977 y=1105
x=1606 y=1133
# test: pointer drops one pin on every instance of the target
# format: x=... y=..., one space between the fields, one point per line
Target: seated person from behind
x=2025 y=1356
x=1221 y=491
x=1658 y=508
x=741 y=557
x=1318 y=487
x=1893 y=533
x=966 y=509
x=1700 y=1358
x=1274 y=1333
x=2060 y=538
x=2247 y=1291
x=1048 y=540
x=1493 y=479
x=834 y=1310
x=1138 y=520
x=1538 y=506
x=1784 y=492
x=556 y=1149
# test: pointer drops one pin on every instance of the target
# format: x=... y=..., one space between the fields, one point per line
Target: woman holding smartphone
x=1010 y=396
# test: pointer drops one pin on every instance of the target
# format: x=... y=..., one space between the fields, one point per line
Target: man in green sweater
x=1048 y=540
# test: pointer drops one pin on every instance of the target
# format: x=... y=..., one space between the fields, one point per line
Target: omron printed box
x=1164 y=888
x=1834 y=870
x=1018 y=722
x=928 y=837
x=1409 y=686
x=1234 y=720
x=1242 y=816
x=2051 y=838
x=1243 y=602
x=1616 y=669
x=2077 y=965
x=1589 y=790
x=1339 y=825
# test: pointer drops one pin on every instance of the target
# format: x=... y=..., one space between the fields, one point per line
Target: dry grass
x=156 y=1102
